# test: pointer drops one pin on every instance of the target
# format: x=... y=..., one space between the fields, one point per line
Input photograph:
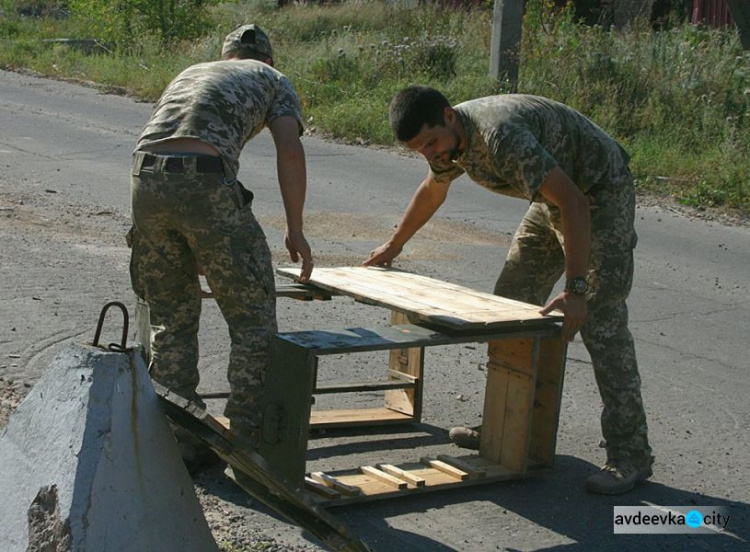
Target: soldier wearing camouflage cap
x=579 y=224
x=191 y=214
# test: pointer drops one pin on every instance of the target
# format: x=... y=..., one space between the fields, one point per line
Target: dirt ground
x=61 y=261
x=41 y=223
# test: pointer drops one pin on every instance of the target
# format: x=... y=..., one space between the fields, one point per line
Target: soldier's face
x=438 y=144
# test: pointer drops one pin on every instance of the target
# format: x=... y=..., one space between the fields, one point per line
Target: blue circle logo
x=694 y=519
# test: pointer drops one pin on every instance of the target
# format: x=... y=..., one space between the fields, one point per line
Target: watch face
x=578 y=285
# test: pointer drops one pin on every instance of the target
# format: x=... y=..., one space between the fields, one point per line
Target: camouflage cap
x=248 y=38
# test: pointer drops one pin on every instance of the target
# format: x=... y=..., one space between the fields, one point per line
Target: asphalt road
x=64 y=160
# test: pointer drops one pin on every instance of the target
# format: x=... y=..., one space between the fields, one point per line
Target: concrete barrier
x=88 y=463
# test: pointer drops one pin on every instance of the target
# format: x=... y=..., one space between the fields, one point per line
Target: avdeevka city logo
x=671 y=519
x=694 y=519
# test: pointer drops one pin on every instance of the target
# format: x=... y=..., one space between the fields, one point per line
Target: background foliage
x=677 y=96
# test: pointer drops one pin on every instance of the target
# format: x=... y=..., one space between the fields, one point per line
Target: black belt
x=181 y=164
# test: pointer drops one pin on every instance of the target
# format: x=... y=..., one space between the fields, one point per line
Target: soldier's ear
x=449 y=116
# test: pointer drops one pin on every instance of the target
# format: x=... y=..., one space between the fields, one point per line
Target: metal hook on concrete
x=121 y=347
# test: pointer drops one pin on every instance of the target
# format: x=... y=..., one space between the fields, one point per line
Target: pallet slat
x=357 y=416
x=402 y=474
x=322 y=490
x=445 y=468
x=332 y=482
x=386 y=478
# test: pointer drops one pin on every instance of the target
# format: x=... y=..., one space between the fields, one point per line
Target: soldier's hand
x=383 y=255
x=574 y=307
x=299 y=249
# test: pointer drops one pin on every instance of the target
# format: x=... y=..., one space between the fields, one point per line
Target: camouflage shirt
x=223 y=103
x=515 y=140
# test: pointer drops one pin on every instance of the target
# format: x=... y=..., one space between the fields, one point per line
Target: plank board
x=321 y=419
x=427 y=299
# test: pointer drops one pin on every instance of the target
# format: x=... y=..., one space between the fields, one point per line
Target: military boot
x=619 y=476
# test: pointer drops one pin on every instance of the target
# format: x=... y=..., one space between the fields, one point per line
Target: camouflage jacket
x=515 y=140
x=223 y=103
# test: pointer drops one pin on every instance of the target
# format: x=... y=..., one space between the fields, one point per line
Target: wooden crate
x=514 y=424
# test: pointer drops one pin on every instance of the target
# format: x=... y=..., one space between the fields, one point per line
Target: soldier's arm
x=428 y=198
x=576 y=227
x=292 y=174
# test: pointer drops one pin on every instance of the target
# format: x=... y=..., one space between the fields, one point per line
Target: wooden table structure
x=525 y=373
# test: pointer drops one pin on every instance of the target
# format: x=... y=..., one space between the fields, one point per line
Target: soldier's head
x=248 y=42
x=423 y=120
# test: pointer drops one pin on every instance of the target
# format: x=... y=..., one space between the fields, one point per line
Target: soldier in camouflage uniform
x=579 y=223
x=191 y=214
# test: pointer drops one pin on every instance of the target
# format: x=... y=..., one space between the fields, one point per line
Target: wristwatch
x=577 y=285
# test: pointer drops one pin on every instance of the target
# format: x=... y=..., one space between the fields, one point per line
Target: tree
x=740 y=10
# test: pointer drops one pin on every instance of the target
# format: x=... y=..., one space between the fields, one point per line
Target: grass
x=678 y=98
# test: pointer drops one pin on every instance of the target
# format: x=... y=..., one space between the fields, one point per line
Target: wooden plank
x=445 y=468
x=547 y=401
x=357 y=417
x=386 y=478
x=322 y=490
x=330 y=342
x=493 y=416
x=517 y=428
x=330 y=481
x=327 y=342
x=402 y=474
x=437 y=292
x=361 y=387
x=349 y=418
x=423 y=297
x=514 y=354
x=477 y=473
x=406 y=363
x=301 y=292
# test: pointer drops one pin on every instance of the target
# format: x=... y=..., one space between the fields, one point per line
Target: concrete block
x=89 y=464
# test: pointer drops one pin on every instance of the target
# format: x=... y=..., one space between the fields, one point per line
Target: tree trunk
x=740 y=10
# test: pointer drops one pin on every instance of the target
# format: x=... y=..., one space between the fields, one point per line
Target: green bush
x=124 y=22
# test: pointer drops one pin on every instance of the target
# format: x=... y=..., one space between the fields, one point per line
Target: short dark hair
x=414 y=107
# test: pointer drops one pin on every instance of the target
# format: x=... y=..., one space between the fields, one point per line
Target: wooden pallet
x=385 y=480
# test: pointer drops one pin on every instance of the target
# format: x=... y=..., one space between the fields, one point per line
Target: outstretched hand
x=574 y=307
x=298 y=249
x=383 y=255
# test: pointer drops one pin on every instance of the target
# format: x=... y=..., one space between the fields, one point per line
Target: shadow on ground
x=552 y=499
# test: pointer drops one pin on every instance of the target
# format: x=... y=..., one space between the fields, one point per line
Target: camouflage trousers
x=534 y=264
x=182 y=220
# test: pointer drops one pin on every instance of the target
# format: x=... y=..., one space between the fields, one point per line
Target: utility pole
x=505 y=50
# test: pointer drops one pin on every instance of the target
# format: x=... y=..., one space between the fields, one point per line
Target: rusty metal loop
x=115 y=347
